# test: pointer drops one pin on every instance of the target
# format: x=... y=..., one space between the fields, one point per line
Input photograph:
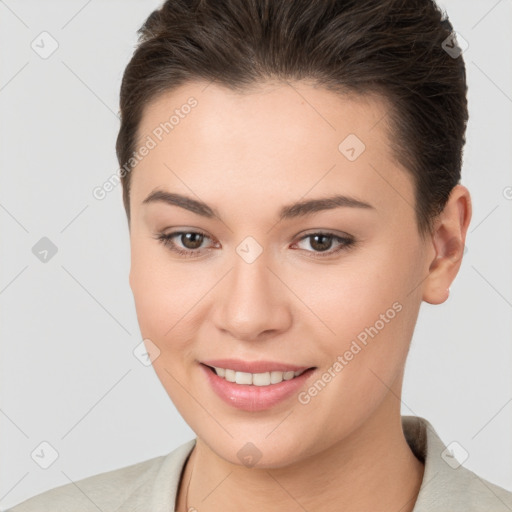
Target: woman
x=291 y=178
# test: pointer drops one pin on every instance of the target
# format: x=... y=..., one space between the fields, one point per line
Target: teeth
x=256 y=379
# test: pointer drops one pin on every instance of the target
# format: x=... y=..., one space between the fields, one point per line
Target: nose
x=253 y=302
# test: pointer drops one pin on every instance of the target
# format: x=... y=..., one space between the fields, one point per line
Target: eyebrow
x=294 y=210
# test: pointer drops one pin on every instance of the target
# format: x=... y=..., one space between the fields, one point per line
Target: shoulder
x=104 y=491
x=465 y=490
x=447 y=484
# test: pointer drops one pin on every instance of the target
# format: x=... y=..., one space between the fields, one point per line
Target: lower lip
x=254 y=398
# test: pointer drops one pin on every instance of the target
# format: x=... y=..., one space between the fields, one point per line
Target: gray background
x=68 y=326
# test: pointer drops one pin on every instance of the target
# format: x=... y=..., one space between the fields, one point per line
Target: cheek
x=352 y=295
x=162 y=291
x=366 y=304
x=380 y=320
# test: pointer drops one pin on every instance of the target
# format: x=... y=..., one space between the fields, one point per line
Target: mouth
x=256 y=379
x=258 y=390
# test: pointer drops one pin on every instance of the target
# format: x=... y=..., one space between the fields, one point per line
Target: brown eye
x=184 y=243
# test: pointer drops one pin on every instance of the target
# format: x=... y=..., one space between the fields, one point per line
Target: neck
x=371 y=469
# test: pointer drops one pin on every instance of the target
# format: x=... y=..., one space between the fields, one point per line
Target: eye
x=191 y=241
x=322 y=242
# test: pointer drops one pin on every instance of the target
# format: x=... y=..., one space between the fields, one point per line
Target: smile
x=256 y=379
x=258 y=390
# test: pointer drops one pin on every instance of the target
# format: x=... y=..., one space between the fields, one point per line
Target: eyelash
x=166 y=240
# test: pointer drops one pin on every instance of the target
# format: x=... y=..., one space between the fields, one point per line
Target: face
x=236 y=256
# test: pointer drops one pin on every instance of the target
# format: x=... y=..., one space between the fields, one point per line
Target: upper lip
x=254 y=366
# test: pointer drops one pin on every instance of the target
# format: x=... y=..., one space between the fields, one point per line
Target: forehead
x=276 y=138
x=295 y=109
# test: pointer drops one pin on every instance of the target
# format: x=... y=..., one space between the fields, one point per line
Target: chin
x=257 y=451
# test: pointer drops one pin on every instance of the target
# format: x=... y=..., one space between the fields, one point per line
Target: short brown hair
x=394 y=48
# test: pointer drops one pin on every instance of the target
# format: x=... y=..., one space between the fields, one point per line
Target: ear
x=448 y=241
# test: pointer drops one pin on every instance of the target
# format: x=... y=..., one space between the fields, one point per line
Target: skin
x=246 y=155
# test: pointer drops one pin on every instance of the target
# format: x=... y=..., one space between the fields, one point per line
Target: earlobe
x=448 y=240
